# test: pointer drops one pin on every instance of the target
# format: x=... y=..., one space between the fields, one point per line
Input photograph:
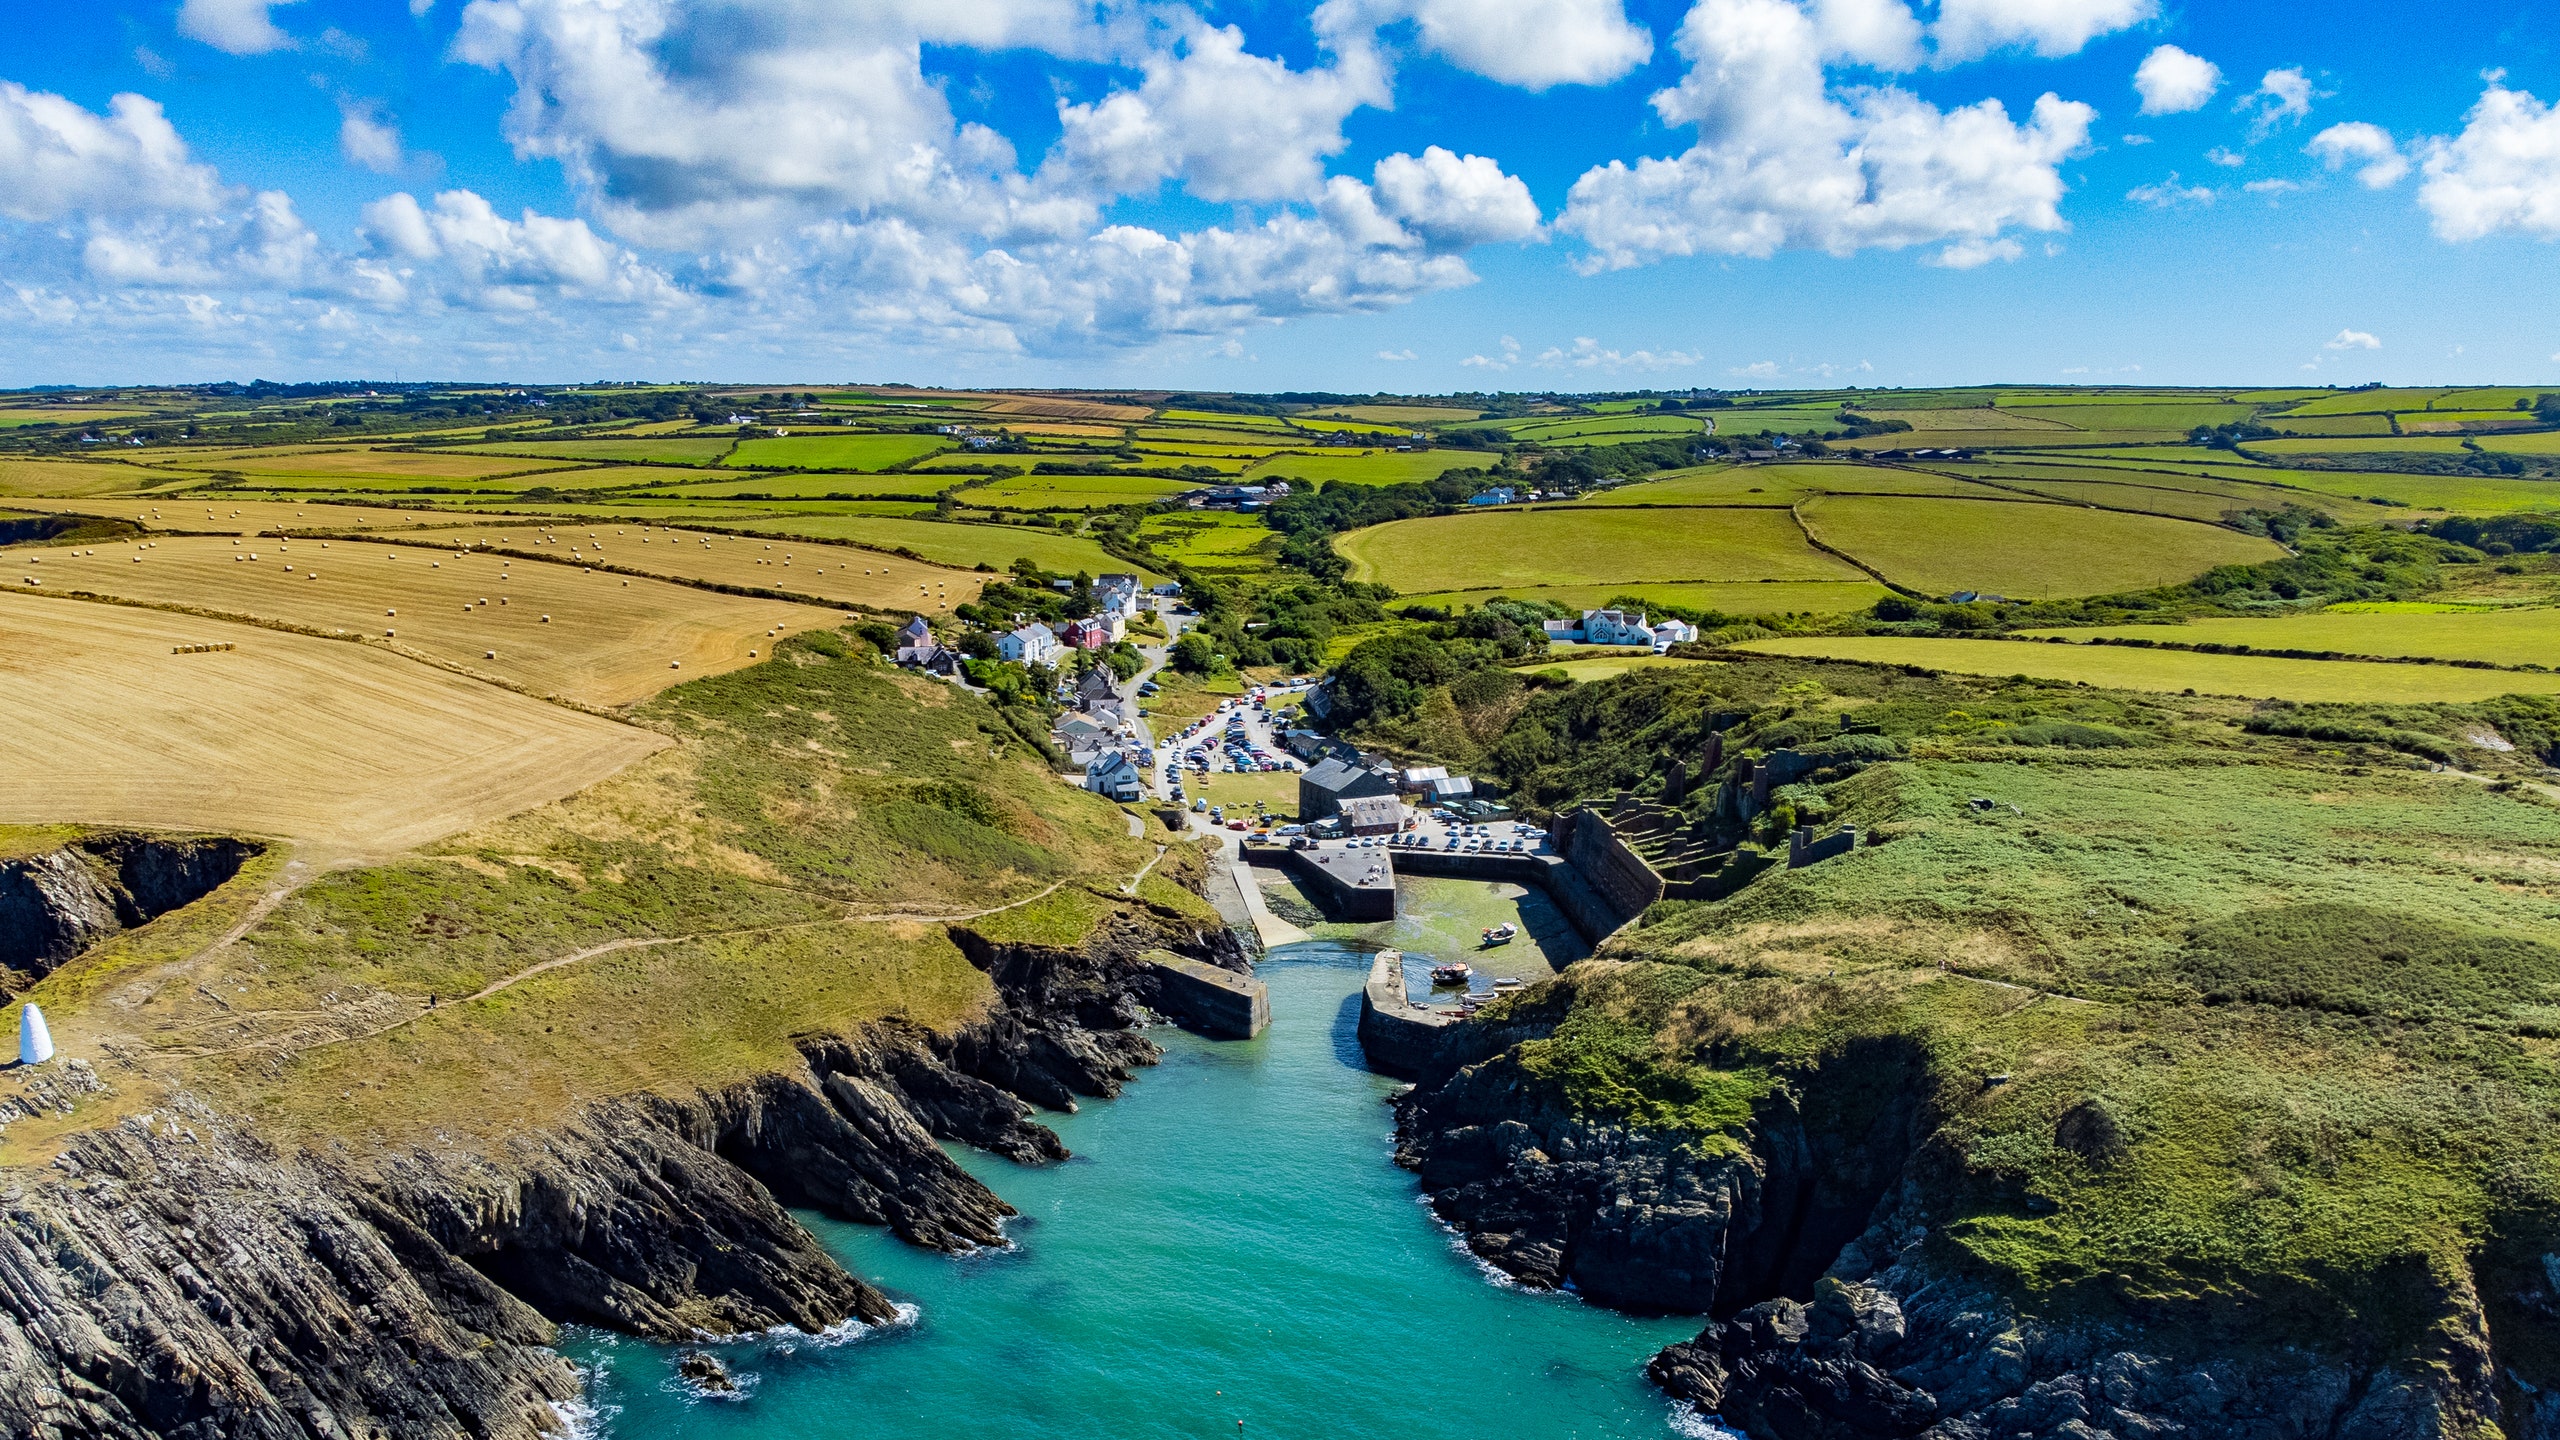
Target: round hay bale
x=546 y=619
x=389 y=633
x=488 y=654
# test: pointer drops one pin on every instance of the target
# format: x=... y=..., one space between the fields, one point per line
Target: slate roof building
x=1323 y=788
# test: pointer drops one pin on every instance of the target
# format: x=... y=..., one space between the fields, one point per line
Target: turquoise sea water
x=1231 y=1242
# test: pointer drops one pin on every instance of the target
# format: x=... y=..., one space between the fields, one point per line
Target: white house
x=1032 y=645
x=1114 y=776
x=1116 y=595
x=1668 y=633
x=1616 y=627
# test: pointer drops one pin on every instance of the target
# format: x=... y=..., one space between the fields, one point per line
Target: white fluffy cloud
x=1455 y=201
x=2282 y=95
x=2169 y=194
x=2359 y=144
x=1534 y=44
x=1967 y=29
x=1783 y=163
x=2173 y=82
x=2502 y=173
x=242 y=27
x=2353 y=340
x=367 y=137
x=464 y=251
x=59 y=158
x=1230 y=125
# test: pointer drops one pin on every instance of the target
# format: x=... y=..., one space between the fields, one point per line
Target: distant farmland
x=2024 y=550
x=2123 y=668
x=1542 y=546
x=348 y=746
x=609 y=641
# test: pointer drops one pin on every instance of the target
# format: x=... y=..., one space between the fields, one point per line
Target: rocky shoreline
x=1834 y=1317
x=174 y=1275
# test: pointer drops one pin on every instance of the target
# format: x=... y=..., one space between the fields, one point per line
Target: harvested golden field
x=840 y=574
x=222 y=516
x=345 y=746
x=608 y=639
x=393 y=464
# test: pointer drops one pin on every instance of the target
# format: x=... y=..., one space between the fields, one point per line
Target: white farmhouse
x=1031 y=645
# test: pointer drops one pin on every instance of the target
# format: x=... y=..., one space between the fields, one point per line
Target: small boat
x=1453 y=973
x=1501 y=934
x=1506 y=985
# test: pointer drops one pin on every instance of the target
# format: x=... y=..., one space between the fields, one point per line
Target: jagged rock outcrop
x=174 y=1276
x=59 y=902
x=1642 y=1219
x=1912 y=1350
x=1809 y=1239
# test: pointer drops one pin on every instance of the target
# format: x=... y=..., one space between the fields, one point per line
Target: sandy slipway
x=177 y=1276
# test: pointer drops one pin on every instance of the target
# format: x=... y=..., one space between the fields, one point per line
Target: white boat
x=1454 y=973
x=1502 y=934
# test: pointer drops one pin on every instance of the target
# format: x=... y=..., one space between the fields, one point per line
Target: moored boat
x=1500 y=934
x=1453 y=973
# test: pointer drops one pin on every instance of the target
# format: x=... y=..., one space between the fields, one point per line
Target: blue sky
x=1414 y=195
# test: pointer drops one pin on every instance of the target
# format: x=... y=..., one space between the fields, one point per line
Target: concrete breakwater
x=1399 y=1036
x=1210 y=999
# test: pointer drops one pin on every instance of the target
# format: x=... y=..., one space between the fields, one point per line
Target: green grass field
x=1605 y=667
x=2531 y=443
x=1213 y=541
x=1549 y=546
x=2198 y=504
x=2172 y=671
x=836 y=452
x=2025 y=551
x=2098 y=419
x=2520 y=636
x=1377 y=467
x=798 y=487
x=700 y=450
x=1762 y=597
x=66 y=477
x=1778 y=484
x=613 y=477
x=966 y=546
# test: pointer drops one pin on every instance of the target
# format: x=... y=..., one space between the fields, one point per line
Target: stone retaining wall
x=1399 y=1037
x=1211 y=1000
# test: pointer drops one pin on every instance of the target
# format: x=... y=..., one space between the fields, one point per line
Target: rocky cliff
x=56 y=903
x=176 y=1276
x=1812 y=1243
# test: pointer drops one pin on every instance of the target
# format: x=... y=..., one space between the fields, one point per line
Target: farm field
x=835 y=452
x=562 y=476
x=1408 y=415
x=2196 y=504
x=1377 y=467
x=961 y=546
x=358 y=465
x=1763 y=597
x=72 y=477
x=1538 y=547
x=2116 y=667
x=1073 y=492
x=1212 y=541
x=1778 y=484
x=802 y=487
x=225 y=515
x=1983 y=417
x=2519 y=636
x=2237 y=486
x=2023 y=550
x=609 y=641
x=1608 y=667
x=2539 y=442
x=839 y=574
x=344 y=746
x=698 y=450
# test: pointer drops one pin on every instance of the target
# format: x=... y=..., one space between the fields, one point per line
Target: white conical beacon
x=35 y=1042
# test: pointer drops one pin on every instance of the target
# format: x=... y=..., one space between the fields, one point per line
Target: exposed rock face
x=1640 y=1219
x=175 y=1277
x=1810 y=1238
x=1909 y=1351
x=56 y=904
